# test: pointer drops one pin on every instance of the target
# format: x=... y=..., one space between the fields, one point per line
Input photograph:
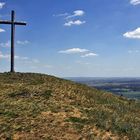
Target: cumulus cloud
x=2 y=30
x=2 y=4
x=84 y=52
x=76 y=22
x=79 y=13
x=76 y=13
x=89 y=55
x=135 y=34
x=73 y=51
x=135 y=2
x=70 y=18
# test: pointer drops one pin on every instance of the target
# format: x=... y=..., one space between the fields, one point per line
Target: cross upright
x=12 y=23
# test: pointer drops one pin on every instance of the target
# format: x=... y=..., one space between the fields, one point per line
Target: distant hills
x=127 y=87
x=43 y=107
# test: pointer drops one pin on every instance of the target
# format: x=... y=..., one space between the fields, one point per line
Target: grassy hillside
x=42 y=107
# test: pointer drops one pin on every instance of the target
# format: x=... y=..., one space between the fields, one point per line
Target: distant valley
x=127 y=87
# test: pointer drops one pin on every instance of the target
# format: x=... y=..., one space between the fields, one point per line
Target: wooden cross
x=12 y=23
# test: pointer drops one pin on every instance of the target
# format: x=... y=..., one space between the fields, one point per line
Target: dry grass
x=37 y=106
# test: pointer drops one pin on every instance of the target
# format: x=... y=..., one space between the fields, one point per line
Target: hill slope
x=37 y=107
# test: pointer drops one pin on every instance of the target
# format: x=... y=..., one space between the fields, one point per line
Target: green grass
x=40 y=106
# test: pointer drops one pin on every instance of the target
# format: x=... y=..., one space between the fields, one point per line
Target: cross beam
x=12 y=23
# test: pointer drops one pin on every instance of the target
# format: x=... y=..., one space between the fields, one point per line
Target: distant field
x=128 y=87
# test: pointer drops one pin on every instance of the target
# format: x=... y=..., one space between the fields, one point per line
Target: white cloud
x=6 y=44
x=2 y=30
x=89 y=55
x=2 y=4
x=7 y=56
x=135 y=34
x=84 y=52
x=76 y=13
x=79 y=13
x=61 y=15
x=21 y=58
x=73 y=51
x=69 y=21
x=22 y=42
x=2 y=56
x=34 y=63
x=135 y=2
x=76 y=22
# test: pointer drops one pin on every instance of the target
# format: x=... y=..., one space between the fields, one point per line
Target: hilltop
x=43 y=107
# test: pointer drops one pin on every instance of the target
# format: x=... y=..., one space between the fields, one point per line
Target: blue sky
x=98 y=38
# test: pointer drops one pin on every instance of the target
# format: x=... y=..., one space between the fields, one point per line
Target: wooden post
x=12 y=40
x=12 y=23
